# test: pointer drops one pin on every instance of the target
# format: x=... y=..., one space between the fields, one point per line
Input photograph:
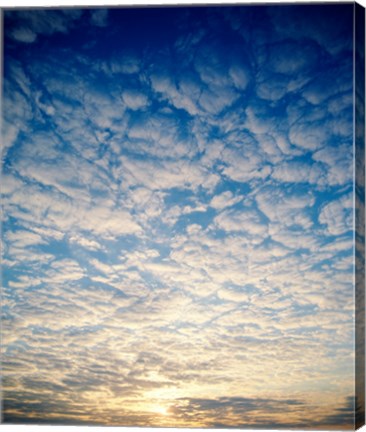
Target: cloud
x=298 y=173
x=134 y=99
x=235 y=405
x=27 y=25
x=21 y=239
x=155 y=134
x=245 y=220
x=284 y=205
x=166 y=175
x=309 y=135
x=233 y=295
x=291 y=58
x=338 y=162
x=331 y=40
x=246 y=167
x=85 y=242
x=225 y=199
x=186 y=97
x=328 y=84
x=337 y=215
x=17 y=107
x=99 y=18
x=177 y=218
x=24 y=35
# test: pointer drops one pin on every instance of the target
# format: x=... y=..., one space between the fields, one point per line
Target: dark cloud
x=343 y=416
x=234 y=411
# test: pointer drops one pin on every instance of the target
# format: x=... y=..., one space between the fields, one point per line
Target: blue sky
x=178 y=216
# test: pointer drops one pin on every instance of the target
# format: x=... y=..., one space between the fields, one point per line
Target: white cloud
x=66 y=215
x=216 y=99
x=25 y=35
x=309 y=135
x=103 y=268
x=193 y=229
x=63 y=271
x=297 y=172
x=21 y=239
x=245 y=166
x=272 y=149
x=338 y=161
x=192 y=209
x=167 y=174
x=135 y=99
x=17 y=109
x=338 y=215
x=211 y=65
x=233 y=295
x=86 y=243
x=246 y=220
x=295 y=240
x=339 y=244
x=195 y=96
x=225 y=199
x=271 y=86
x=10 y=183
x=185 y=98
x=160 y=134
x=283 y=207
x=240 y=76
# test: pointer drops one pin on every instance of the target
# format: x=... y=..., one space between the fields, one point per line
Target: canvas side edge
x=360 y=214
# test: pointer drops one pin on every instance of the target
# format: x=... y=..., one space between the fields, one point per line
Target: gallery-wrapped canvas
x=183 y=196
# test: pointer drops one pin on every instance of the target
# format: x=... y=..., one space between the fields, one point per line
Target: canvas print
x=183 y=216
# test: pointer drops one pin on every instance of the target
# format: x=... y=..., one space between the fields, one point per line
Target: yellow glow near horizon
x=161 y=410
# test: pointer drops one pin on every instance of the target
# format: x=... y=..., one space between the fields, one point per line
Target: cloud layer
x=178 y=217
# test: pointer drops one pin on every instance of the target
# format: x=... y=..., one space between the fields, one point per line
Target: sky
x=178 y=217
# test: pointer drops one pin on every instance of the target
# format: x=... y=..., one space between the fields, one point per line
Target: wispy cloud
x=28 y=24
x=99 y=18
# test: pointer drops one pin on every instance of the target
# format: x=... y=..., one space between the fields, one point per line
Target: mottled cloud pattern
x=178 y=216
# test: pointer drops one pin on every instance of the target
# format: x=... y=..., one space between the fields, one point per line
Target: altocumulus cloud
x=177 y=194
